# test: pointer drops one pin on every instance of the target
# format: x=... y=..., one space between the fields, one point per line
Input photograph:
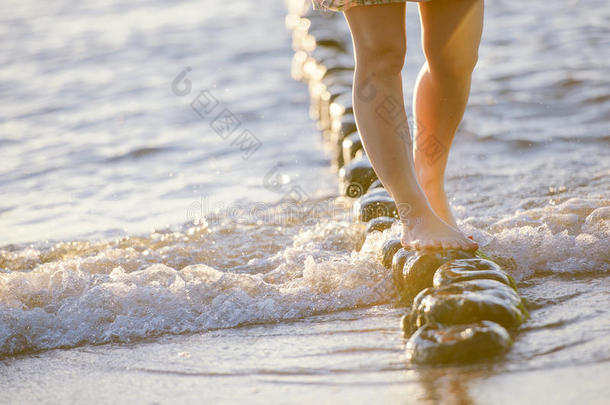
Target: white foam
x=572 y=237
x=101 y=298
x=90 y=293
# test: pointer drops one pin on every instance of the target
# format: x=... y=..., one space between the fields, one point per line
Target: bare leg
x=378 y=34
x=451 y=32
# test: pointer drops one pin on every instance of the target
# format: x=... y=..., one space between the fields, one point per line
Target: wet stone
x=467 y=302
x=322 y=54
x=339 y=74
x=344 y=102
x=380 y=224
x=435 y=344
x=337 y=89
x=356 y=177
x=344 y=126
x=376 y=193
x=338 y=161
x=343 y=63
x=418 y=272
x=348 y=126
x=351 y=145
x=368 y=207
x=376 y=184
x=398 y=261
x=471 y=269
x=388 y=250
x=337 y=46
x=343 y=77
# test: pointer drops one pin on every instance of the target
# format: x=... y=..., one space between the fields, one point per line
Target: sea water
x=146 y=255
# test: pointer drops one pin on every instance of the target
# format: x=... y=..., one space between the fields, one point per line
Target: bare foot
x=423 y=229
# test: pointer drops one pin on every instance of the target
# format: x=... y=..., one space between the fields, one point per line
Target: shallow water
x=239 y=294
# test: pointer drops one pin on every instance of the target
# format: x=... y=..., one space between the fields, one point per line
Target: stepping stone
x=343 y=104
x=376 y=193
x=400 y=258
x=342 y=77
x=467 y=302
x=471 y=269
x=368 y=207
x=376 y=184
x=351 y=146
x=433 y=343
x=356 y=177
x=388 y=250
x=418 y=272
x=380 y=224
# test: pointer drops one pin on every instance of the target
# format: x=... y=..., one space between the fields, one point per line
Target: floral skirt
x=342 y=5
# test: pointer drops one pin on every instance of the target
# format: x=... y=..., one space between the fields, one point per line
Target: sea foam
x=175 y=282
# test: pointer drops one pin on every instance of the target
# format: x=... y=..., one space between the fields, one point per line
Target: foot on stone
x=423 y=229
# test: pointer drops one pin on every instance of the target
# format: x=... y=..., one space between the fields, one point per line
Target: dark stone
x=351 y=145
x=376 y=193
x=418 y=272
x=388 y=250
x=341 y=126
x=467 y=302
x=471 y=269
x=376 y=184
x=344 y=101
x=338 y=77
x=319 y=107
x=342 y=63
x=380 y=224
x=339 y=163
x=338 y=74
x=338 y=89
x=398 y=262
x=434 y=343
x=329 y=56
x=356 y=177
x=347 y=127
x=339 y=69
x=369 y=207
x=333 y=44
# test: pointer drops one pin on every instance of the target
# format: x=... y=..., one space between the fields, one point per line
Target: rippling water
x=127 y=220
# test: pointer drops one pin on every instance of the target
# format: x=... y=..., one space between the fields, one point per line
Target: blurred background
x=94 y=142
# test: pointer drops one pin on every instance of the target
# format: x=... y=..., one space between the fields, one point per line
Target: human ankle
x=432 y=184
x=411 y=214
